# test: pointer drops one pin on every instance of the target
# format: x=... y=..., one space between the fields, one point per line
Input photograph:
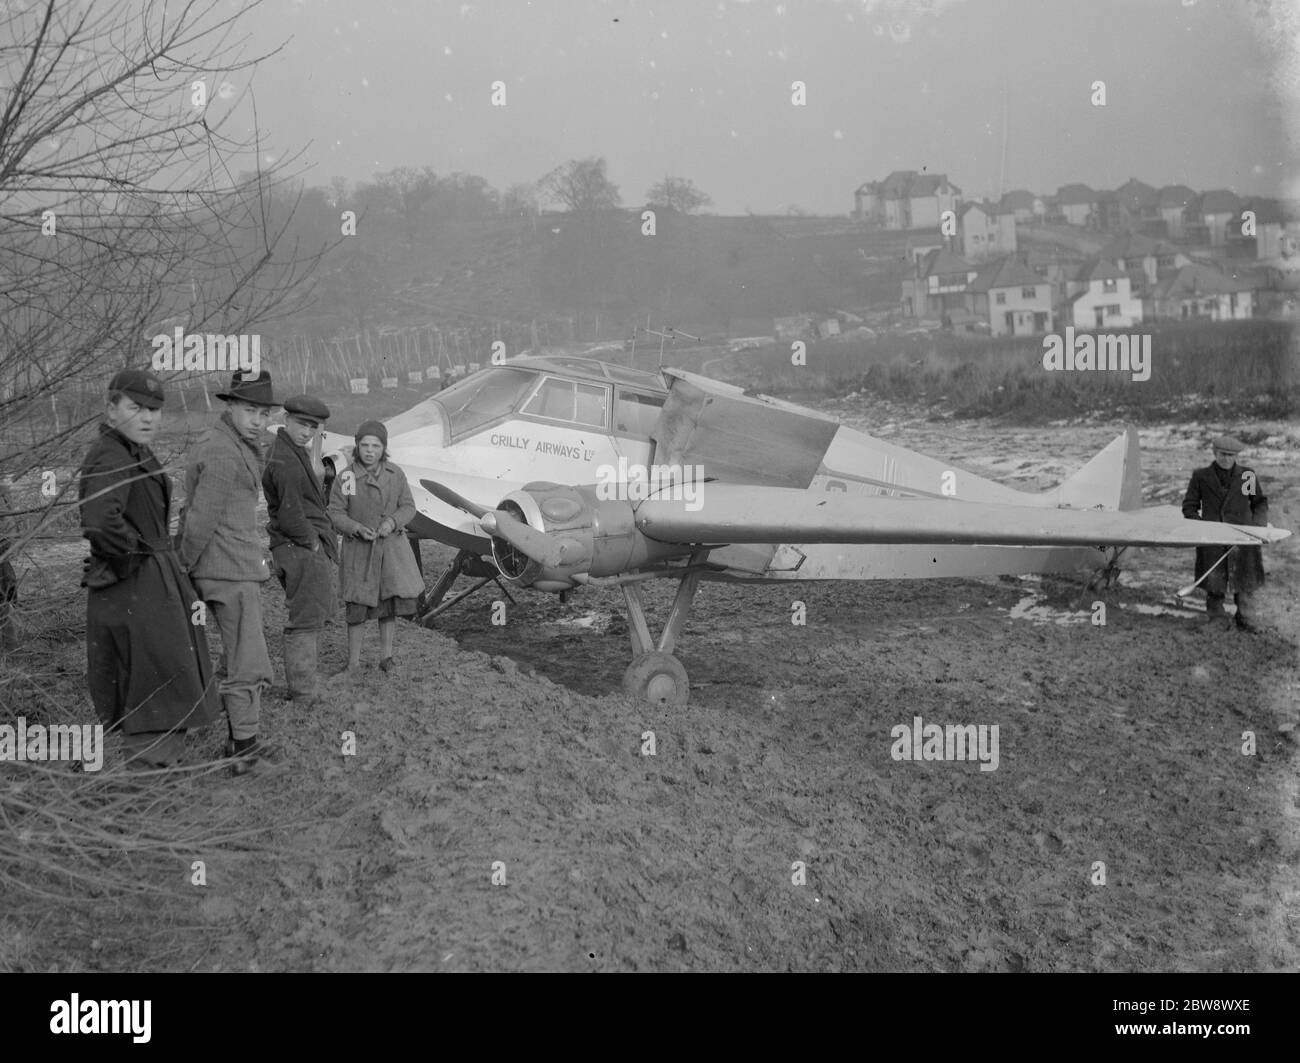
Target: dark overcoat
x=296 y=502
x=373 y=571
x=148 y=664
x=1241 y=500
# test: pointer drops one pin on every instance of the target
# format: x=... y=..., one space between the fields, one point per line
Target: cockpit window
x=483 y=397
x=635 y=414
x=568 y=400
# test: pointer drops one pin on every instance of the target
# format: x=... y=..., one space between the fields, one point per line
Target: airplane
x=557 y=472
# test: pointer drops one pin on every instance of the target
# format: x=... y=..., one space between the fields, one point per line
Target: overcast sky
x=1195 y=92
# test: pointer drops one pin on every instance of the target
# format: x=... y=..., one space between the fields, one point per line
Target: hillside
x=707 y=275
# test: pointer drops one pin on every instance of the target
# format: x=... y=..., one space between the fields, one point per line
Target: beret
x=372 y=428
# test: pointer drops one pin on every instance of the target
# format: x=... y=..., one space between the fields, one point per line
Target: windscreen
x=483 y=397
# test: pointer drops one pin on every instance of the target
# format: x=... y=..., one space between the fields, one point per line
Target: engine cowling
x=595 y=536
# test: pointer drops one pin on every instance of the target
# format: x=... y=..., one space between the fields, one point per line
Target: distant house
x=1207 y=217
x=985 y=231
x=1142 y=258
x=937 y=284
x=1011 y=298
x=1024 y=205
x=1171 y=201
x=1199 y=291
x=1107 y=215
x=1138 y=200
x=1098 y=295
x=906 y=200
x=1076 y=203
x=1277 y=231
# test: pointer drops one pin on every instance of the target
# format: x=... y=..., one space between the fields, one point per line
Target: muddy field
x=508 y=751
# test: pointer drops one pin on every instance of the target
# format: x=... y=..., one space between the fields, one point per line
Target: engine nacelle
x=599 y=536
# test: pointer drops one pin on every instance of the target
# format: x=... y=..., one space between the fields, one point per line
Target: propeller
x=535 y=545
x=446 y=494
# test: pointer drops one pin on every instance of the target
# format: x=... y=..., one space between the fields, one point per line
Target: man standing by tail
x=1231 y=493
x=222 y=550
x=304 y=547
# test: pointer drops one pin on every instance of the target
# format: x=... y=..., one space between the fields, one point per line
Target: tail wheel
x=657 y=678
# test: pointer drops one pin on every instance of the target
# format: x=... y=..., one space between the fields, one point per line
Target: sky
x=1198 y=92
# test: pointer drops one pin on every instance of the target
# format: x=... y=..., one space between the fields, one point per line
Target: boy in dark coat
x=304 y=546
x=148 y=668
x=1231 y=493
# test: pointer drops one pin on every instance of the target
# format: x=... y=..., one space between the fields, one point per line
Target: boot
x=300 y=653
x=252 y=754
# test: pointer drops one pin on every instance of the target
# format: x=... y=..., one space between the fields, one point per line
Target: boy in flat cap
x=221 y=549
x=1231 y=493
x=148 y=667
x=304 y=547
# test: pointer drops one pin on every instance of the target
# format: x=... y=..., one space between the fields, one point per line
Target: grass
x=1250 y=368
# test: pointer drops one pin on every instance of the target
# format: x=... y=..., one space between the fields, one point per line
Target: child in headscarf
x=370 y=505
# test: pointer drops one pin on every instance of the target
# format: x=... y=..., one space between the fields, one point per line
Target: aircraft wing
x=738 y=513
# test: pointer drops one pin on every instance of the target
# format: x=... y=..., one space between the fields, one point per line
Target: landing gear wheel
x=657 y=678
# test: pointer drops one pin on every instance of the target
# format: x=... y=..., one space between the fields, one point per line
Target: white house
x=1099 y=296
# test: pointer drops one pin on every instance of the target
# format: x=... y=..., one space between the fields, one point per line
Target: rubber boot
x=300 y=658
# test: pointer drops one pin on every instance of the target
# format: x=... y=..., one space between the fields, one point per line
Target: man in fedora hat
x=304 y=547
x=1231 y=493
x=221 y=549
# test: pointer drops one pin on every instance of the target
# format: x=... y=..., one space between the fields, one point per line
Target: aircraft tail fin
x=1112 y=479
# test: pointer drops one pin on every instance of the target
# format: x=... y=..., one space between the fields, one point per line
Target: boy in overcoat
x=1231 y=493
x=370 y=504
x=147 y=663
x=304 y=545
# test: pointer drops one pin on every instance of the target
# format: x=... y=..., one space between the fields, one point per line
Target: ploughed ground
x=508 y=750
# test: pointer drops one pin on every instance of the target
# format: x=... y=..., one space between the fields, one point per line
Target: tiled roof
x=1175 y=196
x=908 y=184
x=1004 y=273
x=1070 y=195
x=942 y=263
x=1196 y=279
x=1018 y=199
x=1097 y=268
x=1219 y=201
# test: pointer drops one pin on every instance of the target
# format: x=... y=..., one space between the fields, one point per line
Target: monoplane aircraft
x=568 y=472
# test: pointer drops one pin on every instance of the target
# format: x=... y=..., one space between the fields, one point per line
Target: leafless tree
x=121 y=210
x=679 y=193
x=580 y=185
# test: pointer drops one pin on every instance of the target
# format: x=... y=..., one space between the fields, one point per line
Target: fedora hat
x=255 y=390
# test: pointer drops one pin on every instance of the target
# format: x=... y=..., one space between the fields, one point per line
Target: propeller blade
x=446 y=494
x=535 y=545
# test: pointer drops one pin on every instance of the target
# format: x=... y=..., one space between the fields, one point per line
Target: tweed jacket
x=219 y=536
x=295 y=499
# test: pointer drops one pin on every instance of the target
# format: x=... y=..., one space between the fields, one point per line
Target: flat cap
x=140 y=385
x=308 y=407
x=1229 y=443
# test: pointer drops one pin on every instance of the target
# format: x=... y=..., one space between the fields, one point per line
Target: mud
x=509 y=750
